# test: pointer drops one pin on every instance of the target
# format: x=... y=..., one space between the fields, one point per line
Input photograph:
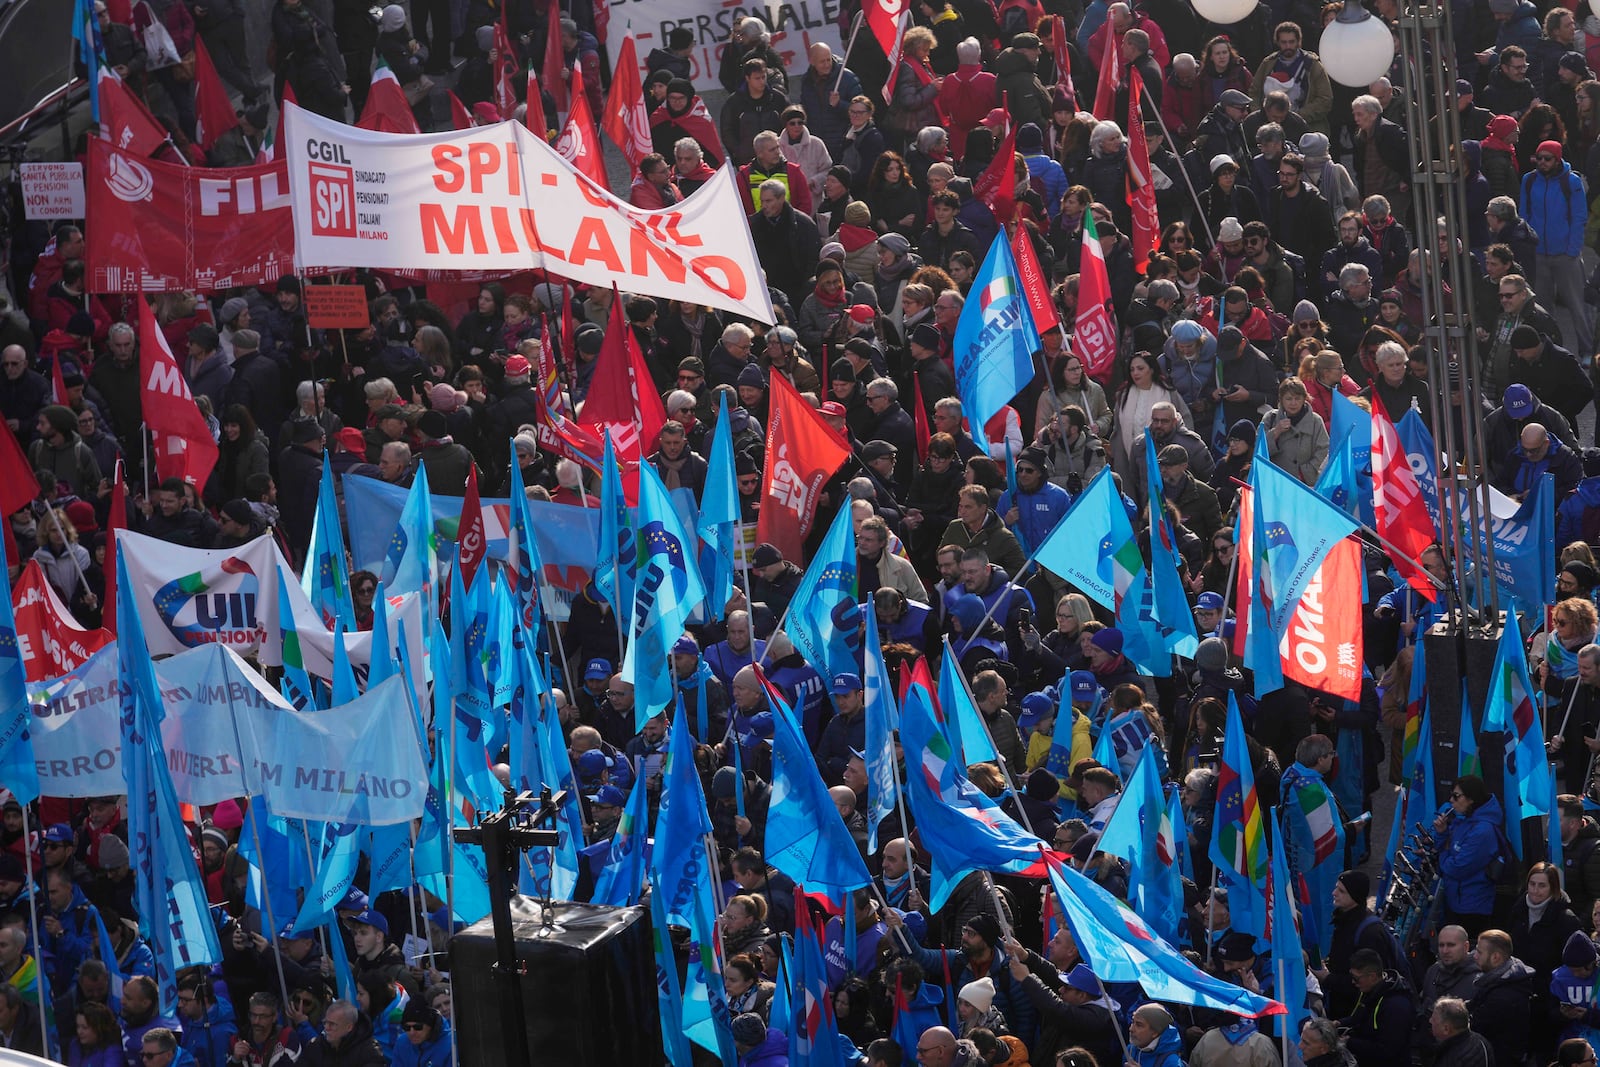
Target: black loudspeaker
x=588 y=992
x=1452 y=658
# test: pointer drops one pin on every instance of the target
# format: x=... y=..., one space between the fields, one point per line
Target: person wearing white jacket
x=803 y=150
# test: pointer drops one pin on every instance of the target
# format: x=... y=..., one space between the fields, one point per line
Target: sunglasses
x=413 y=1026
x=1544 y=157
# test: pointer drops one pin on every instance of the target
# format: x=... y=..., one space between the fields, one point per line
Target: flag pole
x=311 y=865
x=860 y=17
x=266 y=897
x=55 y=520
x=1005 y=768
x=1122 y=1038
x=33 y=920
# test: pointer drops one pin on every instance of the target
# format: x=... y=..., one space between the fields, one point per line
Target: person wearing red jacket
x=769 y=163
x=653 y=189
x=967 y=95
x=1119 y=20
x=67 y=244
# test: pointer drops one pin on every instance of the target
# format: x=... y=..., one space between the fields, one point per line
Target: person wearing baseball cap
x=705 y=701
x=1209 y=611
x=605 y=811
x=369 y=936
x=846 y=731
x=1519 y=407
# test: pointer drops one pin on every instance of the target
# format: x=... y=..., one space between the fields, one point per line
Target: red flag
x=919 y=417
x=577 y=144
x=565 y=438
x=534 y=117
x=1035 y=282
x=626 y=122
x=1094 y=335
x=997 y=185
x=602 y=22
x=181 y=439
x=622 y=399
x=115 y=522
x=1105 y=93
x=387 y=110
x=505 y=72
x=1326 y=623
x=58 y=383
x=555 y=57
x=884 y=19
x=124 y=120
x=213 y=111
x=803 y=451
x=1141 y=189
x=460 y=117
x=1402 y=517
x=471 y=544
x=1058 y=47
x=18 y=486
x=53 y=641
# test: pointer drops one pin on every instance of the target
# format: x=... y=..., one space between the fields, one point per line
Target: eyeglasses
x=689 y=377
x=859 y=111
x=1027 y=470
x=148 y=1056
x=615 y=693
x=1458 y=795
x=1509 y=296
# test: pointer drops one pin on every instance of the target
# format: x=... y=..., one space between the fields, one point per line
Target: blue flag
x=1121 y=947
x=805 y=838
x=17 y=768
x=1169 y=604
x=1416 y=441
x=524 y=566
x=622 y=878
x=812 y=1027
x=1140 y=833
x=296 y=683
x=173 y=910
x=824 y=617
x=1238 y=830
x=995 y=338
x=668 y=590
x=618 y=553
x=88 y=49
x=344 y=688
x=413 y=556
x=1298 y=529
x=669 y=995
x=278 y=869
x=719 y=513
x=1261 y=654
x=1337 y=482
x=963 y=829
x=678 y=856
x=326 y=578
x=882 y=721
x=968 y=738
x=1289 y=973
x=338 y=851
x=1510 y=709
x=1350 y=422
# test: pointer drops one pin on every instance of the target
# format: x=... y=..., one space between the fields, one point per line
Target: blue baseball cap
x=846 y=683
x=594 y=763
x=685 y=646
x=1035 y=706
x=1209 y=602
x=59 y=834
x=1085 y=687
x=372 y=919
x=610 y=794
x=355 y=900
x=597 y=669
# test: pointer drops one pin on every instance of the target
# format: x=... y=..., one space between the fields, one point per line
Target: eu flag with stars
x=667 y=589
x=824 y=618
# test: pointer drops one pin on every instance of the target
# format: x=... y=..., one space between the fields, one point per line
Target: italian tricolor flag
x=1094 y=336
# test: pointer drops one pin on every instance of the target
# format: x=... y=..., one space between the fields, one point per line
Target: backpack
x=1013 y=20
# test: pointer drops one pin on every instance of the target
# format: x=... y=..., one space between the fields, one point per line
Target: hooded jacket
x=1573 y=516
x=1380 y=1022
x=1499 y=1008
x=1165 y=1051
x=1469 y=845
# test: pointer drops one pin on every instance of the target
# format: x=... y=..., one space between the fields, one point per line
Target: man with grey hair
x=769 y=164
x=1351 y=309
x=826 y=89
x=346 y=1040
x=689 y=168
x=1382 y=154
x=1508 y=227
x=893 y=425
x=257 y=382
x=1456 y=1045
x=786 y=239
x=117 y=380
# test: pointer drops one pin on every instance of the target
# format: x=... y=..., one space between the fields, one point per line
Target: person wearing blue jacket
x=1470 y=844
x=1153 y=1038
x=1555 y=204
x=208 y=1028
x=427 y=1038
x=1038 y=504
x=1190 y=361
x=70 y=926
x=1581 y=511
x=1041 y=168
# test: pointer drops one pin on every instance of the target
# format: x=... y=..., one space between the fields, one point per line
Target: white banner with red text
x=499 y=198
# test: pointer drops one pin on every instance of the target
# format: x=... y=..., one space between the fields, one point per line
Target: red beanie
x=1552 y=147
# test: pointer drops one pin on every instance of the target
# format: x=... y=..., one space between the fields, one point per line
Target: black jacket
x=360 y=1049
x=1555 y=378
x=1499 y=1008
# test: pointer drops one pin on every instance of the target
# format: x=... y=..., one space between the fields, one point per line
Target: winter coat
x=1539 y=944
x=1469 y=845
x=1557 y=207
x=1519 y=476
x=1339 y=256
x=827 y=122
x=1302 y=224
x=1555 y=378
x=788 y=247
x=1500 y=1007
x=359 y=1049
x=914 y=102
x=71 y=462
x=1380 y=1022
x=1302 y=449
x=811 y=156
x=1165 y=1051
x=772 y=1052
x=967 y=96
x=860 y=153
x=1579 y=512
x=744 y=116
x=1317 y=102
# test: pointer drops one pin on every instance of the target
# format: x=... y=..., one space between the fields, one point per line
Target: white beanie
x=1230 y=230
x=979 y=994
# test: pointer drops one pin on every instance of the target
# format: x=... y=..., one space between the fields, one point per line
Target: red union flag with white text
x=803 y=451
x=181 y=439
x=884 y=18
x=1094 y=336
x=1397 y=505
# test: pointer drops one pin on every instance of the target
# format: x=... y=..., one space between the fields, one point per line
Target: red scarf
x=1499 y=127
x=837 y=300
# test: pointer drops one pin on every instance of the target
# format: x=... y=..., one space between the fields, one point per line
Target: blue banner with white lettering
x=1423 y=455
x=1524 y=542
